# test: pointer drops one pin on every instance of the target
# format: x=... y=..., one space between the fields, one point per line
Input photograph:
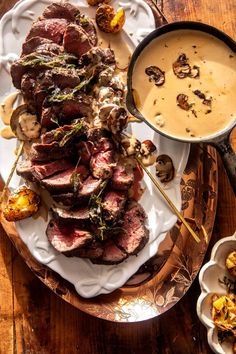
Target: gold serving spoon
x=19 y=152
x=172 y=206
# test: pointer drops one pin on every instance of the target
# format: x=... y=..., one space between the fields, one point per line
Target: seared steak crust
x=50 y=28
x=65 y=237
x=135 y=234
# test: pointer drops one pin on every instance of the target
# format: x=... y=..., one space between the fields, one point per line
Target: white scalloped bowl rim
x=210 y=285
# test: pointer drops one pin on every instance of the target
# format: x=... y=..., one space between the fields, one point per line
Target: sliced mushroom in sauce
x=182 y=102
x=181 y=67
x=156 y=75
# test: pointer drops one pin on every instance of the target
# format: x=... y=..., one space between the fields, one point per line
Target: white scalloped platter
x=89 y=279
x=209 y=277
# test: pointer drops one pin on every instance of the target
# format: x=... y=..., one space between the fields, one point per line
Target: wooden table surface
x=33 y=320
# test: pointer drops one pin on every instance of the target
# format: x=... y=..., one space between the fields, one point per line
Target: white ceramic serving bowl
x=209 y=277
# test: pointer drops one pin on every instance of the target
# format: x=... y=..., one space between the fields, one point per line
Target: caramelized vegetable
x=224 y=312
x=22 y=204
x=97 y=2
x=231 y=263
x=109 y=21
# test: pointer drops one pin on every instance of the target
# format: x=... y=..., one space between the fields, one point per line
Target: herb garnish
x=71 y=133
x=57 y=96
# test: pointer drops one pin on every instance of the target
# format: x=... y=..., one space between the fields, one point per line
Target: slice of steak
x=60 y=77
x=85 y=149
x=135 y=234
x=17 y=72
x=113 y=205
x=80 y=105
x=42 y=171
x=77 y=215
x=47 y=152
x=62 y=10
x=69 y=180
x=122 y=179
x=49 y=117
x=37 y=172
x=88 y=27
x=25 y=169
x=33 y=64
x=111 y=254
x=66 y=237
x=76 y=41
x=65 y=199
x=96 y=56
x=52 y=28
x=28 y=84
x=90 y=186
x=40 y=43
x=102 y=145
x=56 y=135
x=93 y=250
x=102 y=164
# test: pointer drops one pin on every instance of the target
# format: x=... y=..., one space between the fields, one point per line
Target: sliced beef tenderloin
x=93 y=250
x=62 y=10
x=56 y=135
x=102 y=145
x=76 y=40
x=65 y=199
x=135 y=234
x=49 y=117
x=69 y=180
x=51 y=28
x=39 y=43
x=25 y=169
x=33 y=64
x=96 y=56
x=66 y=237
x=90 y=186
x=88 y=27
x=77 y=215
x=80 y=105
x=85 y=149
x=122 y=178
x=111 y=254
x=47 y=152
x=37 y=172
x=17 y=72
x=60 y=77
x=28 y=84
x=113 y=204
x=102 y=164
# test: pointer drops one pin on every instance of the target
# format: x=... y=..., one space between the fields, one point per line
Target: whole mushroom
x=164 y=168
x=24 y=124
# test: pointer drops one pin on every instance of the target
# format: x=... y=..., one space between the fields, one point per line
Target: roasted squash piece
x=22 y=204
x=108 y=20
x=231 y=263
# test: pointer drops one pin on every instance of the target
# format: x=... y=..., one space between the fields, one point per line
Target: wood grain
x=33 y=320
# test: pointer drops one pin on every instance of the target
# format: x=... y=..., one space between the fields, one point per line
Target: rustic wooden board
x=33 y=320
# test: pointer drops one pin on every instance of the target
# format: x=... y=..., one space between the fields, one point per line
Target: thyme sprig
x=58 y=96
x=71 y=133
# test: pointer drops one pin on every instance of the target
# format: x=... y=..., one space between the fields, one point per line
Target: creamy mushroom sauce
x=217 y=81
x=6 y=109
